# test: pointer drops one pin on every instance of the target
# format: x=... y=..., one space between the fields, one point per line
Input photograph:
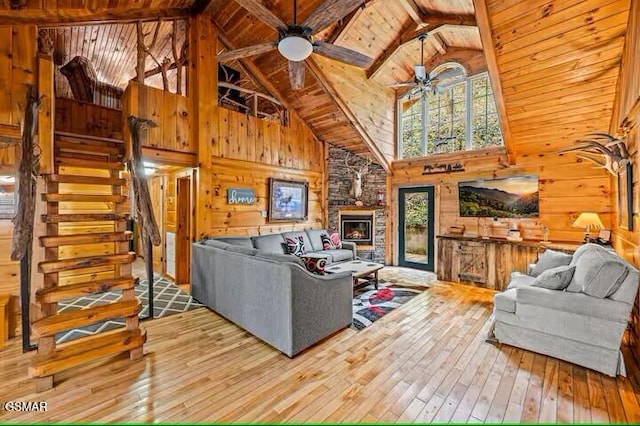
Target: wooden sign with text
x=241 y=196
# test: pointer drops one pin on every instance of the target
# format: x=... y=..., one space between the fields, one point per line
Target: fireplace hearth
x=357 y=228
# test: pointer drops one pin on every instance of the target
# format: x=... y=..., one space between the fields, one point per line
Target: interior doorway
x=157 y=192
x=416 y=228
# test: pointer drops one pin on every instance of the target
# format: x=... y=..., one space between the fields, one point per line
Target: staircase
x=82 y=248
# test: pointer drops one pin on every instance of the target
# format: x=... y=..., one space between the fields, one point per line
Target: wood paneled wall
x=85 y=118
x=17 y=70
x=567 y=187
x=625 y=241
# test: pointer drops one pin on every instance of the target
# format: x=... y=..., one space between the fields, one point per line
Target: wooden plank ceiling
x=382 y=29
x=558 y=64
x=111 y=48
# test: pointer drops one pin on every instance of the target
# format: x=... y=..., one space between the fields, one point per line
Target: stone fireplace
x=358 y=227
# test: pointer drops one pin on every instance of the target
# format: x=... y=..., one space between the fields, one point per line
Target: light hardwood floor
x=426 y=361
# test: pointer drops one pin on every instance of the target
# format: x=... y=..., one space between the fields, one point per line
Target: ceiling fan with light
x=424 y=82
x=296 y=42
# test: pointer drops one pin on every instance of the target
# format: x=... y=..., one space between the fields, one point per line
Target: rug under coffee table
x=363 y=272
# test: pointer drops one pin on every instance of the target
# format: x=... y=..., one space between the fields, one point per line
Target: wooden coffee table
x=363 y=272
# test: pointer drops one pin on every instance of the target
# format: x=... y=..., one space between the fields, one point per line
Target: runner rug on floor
x=370 y=305
x=168 y=299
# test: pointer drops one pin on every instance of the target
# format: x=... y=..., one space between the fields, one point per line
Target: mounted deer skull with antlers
x=357 y=173
x=608 y=152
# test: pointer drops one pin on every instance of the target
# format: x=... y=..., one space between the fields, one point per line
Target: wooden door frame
x=160 y=223
x=189 y=214
x=431 y=226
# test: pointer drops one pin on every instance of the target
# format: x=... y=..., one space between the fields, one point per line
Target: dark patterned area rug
x=168 y=299
x=369 y=304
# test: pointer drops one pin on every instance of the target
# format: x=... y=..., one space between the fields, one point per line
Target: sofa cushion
x=288 y=258
x=237 y=241
x=598 y=274
x=217 y=244
x=273 y=243
x=584 y=248
x=520 y=281
x=314 y=237
x=295 y=245
x=550 y=259
x=506 y=301
x=340 y=255
x=555 y=278
x=308 y=246
x=250 y=251
x=315 y=265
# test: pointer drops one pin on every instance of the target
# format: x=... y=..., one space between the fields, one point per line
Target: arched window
x=460 y=117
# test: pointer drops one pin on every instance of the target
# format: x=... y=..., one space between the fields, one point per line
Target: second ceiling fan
x=295 y=41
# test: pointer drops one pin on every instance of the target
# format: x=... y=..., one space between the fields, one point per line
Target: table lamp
x=588 y=221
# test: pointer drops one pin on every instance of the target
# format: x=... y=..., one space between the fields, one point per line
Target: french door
x=416 y=227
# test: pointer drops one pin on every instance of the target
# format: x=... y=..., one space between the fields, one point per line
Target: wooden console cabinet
x=488 y=262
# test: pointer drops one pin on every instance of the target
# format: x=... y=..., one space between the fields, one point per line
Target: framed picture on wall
x=625 y=198
x=288 y=200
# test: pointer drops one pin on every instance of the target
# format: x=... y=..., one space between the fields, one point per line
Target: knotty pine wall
x=17 y=69
x=625 y=241
x=567 y=187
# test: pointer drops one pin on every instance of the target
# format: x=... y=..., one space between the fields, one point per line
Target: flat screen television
x=513 y=197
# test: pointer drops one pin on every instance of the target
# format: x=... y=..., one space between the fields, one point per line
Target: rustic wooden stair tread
x=89 y=164
x=87 y=349
x=85 y=262
x=88 y=146
x=101 y=237
x=83 y=217
x=77 y=136
x=56 y=294
x=49 y=326
x=87 y=180
x=92 y=198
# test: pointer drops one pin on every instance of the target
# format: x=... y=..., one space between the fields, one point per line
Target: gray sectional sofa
x=582 y=324
x=253 y=283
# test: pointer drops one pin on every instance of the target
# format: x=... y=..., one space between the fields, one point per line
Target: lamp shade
x=295 y=48
x=588 y=220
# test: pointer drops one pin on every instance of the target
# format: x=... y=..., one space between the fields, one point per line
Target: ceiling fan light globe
x=295 y=48
x=420 y=71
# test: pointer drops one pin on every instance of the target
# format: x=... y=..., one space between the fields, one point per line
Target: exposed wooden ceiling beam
x=59 y=17
x=329 y=88
x=438 y=43
x=482 y=16
x=411 y=30
x=400 y=40
x=413 y=10
x=345 y=23
x=251 y=69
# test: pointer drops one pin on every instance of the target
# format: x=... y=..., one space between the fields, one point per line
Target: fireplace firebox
x=357 y=228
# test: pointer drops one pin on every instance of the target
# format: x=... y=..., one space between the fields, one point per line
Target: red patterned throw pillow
x=315 y=265
x=327 y=244
x=335 y=240
x=296 y=246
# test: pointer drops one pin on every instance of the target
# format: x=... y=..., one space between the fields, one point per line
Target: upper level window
x=460 y=117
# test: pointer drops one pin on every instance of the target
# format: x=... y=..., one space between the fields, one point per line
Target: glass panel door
x=416 y=226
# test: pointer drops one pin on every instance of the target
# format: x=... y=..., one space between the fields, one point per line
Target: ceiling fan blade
x=244 y=52
x=342 y=54
x=296 y=74
x=256 y=8
x=454 y=72
x=328 y=12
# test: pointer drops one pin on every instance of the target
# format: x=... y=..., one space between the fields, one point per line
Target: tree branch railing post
x=143 y=208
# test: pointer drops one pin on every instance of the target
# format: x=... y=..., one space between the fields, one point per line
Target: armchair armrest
x=348 y=245
x=576 y=303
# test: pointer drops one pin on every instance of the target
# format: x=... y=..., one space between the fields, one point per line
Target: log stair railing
x=67 y=218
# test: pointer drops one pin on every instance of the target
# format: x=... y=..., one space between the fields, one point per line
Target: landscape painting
x=514 y=197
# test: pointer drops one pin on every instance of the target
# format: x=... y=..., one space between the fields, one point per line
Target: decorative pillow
x=598 y=274
x=555 y=278
x=296 y=246
x=315 y=265
x=327 y=243
x=550 y=259
x=335 y=240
